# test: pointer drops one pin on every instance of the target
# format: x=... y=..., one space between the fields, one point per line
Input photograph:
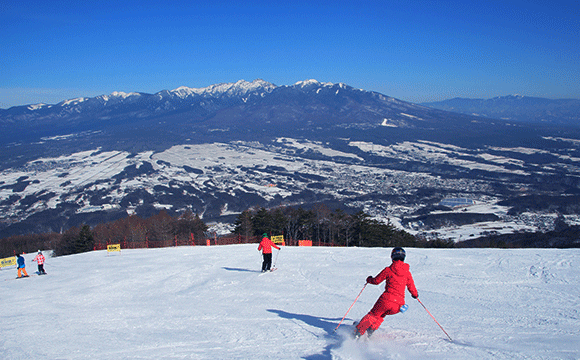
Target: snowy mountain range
x=224 y=148
x=241 y=105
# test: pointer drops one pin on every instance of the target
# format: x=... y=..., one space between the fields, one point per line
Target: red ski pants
x=375 y=317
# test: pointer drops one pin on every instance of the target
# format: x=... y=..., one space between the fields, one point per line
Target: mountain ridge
x=305 y=103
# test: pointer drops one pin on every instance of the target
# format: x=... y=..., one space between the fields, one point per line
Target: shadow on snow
x=326 y=324
x=240 y=269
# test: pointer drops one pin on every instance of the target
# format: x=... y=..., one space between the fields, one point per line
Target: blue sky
x=412 y=50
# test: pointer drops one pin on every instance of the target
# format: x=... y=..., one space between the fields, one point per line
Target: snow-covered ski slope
x=209 y=303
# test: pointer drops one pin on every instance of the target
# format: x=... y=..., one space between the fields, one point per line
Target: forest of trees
x=323 y=226
x=131 y=232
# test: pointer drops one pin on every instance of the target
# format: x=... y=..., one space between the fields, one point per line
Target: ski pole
x=278 y=253
x=434 y=319
x=350 y=307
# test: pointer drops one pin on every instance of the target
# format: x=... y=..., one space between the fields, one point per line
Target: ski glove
x=414 y=297
x=369 y=279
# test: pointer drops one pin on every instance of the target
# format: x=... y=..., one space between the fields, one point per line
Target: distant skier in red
x=397 y=278
x=266 y=247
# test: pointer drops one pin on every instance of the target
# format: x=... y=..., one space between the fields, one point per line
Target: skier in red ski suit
x=397 y=278
x=266 y=248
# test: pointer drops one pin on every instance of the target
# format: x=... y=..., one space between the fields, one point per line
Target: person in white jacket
x=40 y=261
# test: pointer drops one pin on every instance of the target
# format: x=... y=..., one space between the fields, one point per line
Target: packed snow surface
x=212 y=303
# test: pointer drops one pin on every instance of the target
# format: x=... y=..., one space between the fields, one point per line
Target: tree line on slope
x=322 y=225
x=131 y=232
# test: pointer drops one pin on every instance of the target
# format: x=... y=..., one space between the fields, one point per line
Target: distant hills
x=517 y=108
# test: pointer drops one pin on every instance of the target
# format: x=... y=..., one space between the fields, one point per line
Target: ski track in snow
x=213 y=303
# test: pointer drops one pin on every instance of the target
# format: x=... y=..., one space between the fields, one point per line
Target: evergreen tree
x=277 y=222
x=75 y=241
x=85 y=240
x=262 y=222
x=244 y=225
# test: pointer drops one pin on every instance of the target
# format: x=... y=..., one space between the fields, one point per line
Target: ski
x=267 y=271
x=21 y=277
x=355 y=333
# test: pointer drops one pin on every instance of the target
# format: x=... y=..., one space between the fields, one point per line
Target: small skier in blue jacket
x=21 y=266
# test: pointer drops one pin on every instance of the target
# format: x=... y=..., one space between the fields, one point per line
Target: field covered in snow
x=212 y=303
x=223 y=179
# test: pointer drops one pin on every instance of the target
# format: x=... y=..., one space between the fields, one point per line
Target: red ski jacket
x=397 y=278
x=266 y=244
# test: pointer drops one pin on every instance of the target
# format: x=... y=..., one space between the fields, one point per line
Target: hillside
x=212 y=303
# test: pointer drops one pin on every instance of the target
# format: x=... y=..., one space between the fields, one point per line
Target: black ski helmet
x=398 y=253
